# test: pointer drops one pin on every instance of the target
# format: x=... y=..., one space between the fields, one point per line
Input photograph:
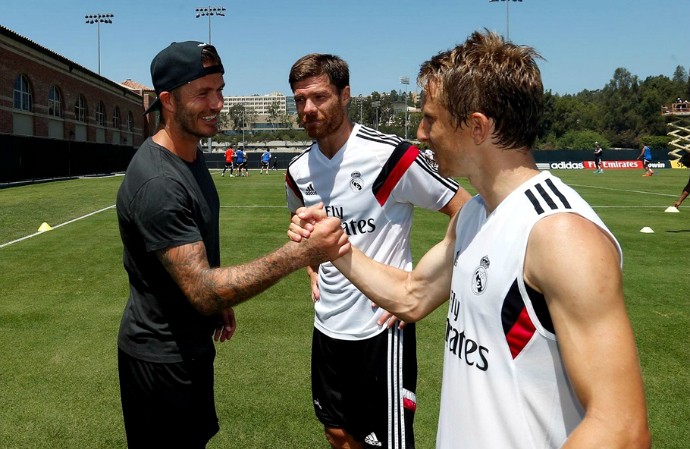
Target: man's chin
x=208 y=131
x=312 y=131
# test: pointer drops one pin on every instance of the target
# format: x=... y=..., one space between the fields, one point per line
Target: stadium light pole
x=208 y=11
x=507 y=2
x=376 y=104
x=406 y=81
x=244 y=122
x=98 y=19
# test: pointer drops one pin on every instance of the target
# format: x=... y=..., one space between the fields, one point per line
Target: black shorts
x=167 y=404
x=367 y=387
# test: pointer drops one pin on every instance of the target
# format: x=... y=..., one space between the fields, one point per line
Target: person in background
x=685 y=160
x=598 y=152
x=265 y=160
x=229 y=155
x=364 y=372
x=646 y=156
x=532 y=359
x=241 y=159
x=180 y=299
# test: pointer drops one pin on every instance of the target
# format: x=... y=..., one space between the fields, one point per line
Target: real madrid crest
x=479 y=278
x=356 y=181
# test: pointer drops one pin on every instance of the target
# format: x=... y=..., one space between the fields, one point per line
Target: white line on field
x=623 y=190
x=255 y=207
x=57 y=226
x=111 y=207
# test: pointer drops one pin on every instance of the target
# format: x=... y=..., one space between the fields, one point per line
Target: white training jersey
x=372 y=184
x=504 y=383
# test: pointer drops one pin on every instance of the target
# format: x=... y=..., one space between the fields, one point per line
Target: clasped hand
x=303 y=224
x=325 y=232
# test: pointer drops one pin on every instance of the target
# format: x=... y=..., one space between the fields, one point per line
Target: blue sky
x=583 y=41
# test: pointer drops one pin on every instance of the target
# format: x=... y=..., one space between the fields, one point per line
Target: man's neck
x=330 y=144
x=501 y=177
x=182 y=146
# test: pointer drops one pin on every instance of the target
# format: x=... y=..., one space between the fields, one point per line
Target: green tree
x=621 y=99
x=236 y=115
x=581 y=140
x=274 y=114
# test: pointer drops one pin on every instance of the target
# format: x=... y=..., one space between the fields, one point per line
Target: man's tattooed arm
x=211 y=290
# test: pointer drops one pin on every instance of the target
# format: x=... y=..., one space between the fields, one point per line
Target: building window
x=22 y=94
x=100 y=114
x=54 y=102
x=130 y=121
x=80 y=109
x=116 y=118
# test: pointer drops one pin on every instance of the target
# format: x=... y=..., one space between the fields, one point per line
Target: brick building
x=47 y=99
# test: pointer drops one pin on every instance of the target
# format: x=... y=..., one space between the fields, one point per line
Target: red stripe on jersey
x=293 y=186
x=521 y=333
x=396 y=173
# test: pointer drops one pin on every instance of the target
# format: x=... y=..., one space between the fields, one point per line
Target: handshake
x=321 y=236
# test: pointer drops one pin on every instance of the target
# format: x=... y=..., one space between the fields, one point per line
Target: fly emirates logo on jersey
x=463 y=346
x=353 y=226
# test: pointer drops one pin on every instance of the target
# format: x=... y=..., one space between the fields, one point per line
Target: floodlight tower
x=208 y=11
x=406 y=81
x=98 y=19
x=507 y=2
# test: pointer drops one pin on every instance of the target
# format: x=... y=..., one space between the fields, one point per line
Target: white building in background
x=261 y=106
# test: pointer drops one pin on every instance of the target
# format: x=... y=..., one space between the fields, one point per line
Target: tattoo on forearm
x=211 y=290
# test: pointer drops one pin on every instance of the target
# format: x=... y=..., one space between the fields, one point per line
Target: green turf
x=64 y=290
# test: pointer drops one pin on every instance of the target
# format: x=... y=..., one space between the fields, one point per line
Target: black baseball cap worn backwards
x=178 y=64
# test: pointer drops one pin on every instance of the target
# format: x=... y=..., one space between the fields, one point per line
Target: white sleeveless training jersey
x=372 y=184
x=504 y=384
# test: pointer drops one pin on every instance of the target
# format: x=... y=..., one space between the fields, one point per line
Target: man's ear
x=345 y=95
x=482 y=127
x=167 y=100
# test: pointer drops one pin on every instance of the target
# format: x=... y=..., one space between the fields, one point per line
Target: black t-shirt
x=164 y=202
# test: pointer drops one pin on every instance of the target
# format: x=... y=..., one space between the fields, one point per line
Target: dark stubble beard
x=187 y=120
x=335 y=120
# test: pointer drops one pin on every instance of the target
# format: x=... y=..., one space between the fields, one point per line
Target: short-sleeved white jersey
x=504 y=383
x=372 y=184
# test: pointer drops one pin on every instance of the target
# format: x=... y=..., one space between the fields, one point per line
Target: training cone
x=672 y=209
x=647 y=230
x=44 y=227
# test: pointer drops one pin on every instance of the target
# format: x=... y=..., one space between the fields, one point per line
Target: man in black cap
x=180 y=298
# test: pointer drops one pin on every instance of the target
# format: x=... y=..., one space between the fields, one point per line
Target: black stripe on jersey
x=547 y=197
x=534 y=201
x=376 y=136
x=450 y=183
x=517 y=324
x=294 y=159
x=290 y=181
x=540 y=309
x=396 y=156
x=512 y=306
x=292 y=185
x=558 y=193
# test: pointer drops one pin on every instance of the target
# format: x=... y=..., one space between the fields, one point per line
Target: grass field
x=63 y=293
